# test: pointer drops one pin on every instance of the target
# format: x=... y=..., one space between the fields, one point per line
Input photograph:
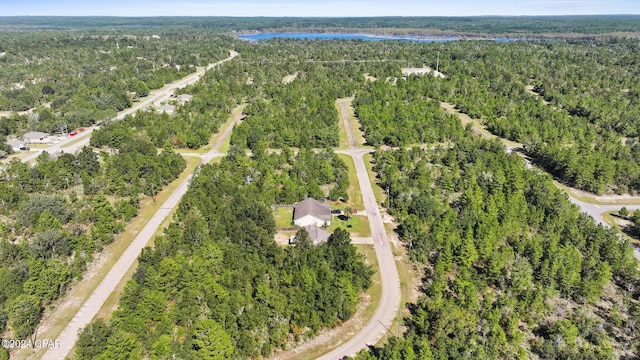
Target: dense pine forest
x=511 y=268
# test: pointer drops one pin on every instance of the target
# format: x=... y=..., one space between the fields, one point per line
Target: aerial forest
x=509 y=267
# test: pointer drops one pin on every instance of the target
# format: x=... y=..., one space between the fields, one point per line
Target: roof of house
x=185 y=97
x=313 y=207
x=317 y=235
x=167 y=108
x=15 y=143
x=36 y=135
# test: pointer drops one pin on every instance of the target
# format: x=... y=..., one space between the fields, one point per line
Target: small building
x=183 y=98
x=316 y=234
x=36 y=137
x=311 y=212
x=170 y=109
x=17 y=144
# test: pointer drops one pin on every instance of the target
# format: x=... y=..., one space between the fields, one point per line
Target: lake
x=332 y=36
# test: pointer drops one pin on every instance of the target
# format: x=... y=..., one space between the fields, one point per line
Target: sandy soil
x=289 y=78
x=422 y=71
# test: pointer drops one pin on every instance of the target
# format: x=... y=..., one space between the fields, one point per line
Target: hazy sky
x=316 y=8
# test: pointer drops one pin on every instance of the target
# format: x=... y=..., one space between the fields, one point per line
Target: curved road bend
x=155 y=96
x=593 y=210
x=95 y=301
x=390 y=297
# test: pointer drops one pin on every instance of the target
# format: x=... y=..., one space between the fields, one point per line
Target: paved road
x=593 y=210
x=390 y=297
x=95 y=301
x=154 y=97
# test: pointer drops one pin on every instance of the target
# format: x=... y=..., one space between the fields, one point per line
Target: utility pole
x=438 y=62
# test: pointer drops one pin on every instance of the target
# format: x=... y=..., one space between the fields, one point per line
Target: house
x=311 y=212
x=184 y=98
x=17 y=144
x=36 y=137
x=316 y=234
x=170 y=109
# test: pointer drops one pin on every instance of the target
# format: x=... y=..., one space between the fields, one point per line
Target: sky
x=332 y=8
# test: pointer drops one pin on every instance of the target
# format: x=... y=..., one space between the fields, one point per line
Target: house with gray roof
x=36 y=137
x=170 y=109
x=183 y=98
x=17 y=144
x=316 y=234
x=311 y=212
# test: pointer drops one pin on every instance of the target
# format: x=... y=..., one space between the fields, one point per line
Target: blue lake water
x=332 y=36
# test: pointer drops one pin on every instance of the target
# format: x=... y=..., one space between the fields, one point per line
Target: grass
x=111 y=254
x=355 y=125
x=378 y=192
x=224 y=147
x=342 y=133
x=363 y=314
x=355 y=194
x=234 y=113
x=358 y=225
x=589 y=198
x=283 y=217
x=609 y=216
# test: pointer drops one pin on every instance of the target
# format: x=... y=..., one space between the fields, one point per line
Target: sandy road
x=390 y=297
x=95 y=301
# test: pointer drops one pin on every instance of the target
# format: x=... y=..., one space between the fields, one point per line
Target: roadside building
x=183 y=98
x=36 y=137
x=316 y=234
x=169 y=109
x=311 y=212
x=17 y=144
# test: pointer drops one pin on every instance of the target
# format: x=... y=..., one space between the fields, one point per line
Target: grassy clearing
x=283 y=217
x=234 y=113
x=355 y=194
x=378 y=192
x=224 y=147
x=355 y=125
x=358 y=225
x=609 y=218
x=111 y=254
x=595 y=199
x=342 y=133
x=369 y=304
